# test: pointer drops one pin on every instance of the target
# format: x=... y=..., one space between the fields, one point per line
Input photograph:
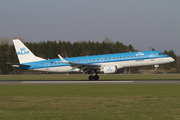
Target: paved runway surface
x=25 y=82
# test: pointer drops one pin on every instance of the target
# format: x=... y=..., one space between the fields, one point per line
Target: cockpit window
x=161 y=54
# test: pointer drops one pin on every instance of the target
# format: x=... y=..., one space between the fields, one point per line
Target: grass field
x=85 y=77
x=90 y=101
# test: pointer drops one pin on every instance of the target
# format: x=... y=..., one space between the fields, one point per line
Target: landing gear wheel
x=91 y=77
x=96 y=77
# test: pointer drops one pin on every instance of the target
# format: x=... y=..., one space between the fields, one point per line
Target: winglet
x=63 y=60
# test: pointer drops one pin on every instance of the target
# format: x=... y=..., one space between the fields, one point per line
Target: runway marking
x=16 y=82
x=74 y=82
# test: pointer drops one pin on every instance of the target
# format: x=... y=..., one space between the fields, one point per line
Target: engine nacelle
x=110 y=69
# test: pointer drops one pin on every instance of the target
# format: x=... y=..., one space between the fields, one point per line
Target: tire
x=96 y=77
x=91 y=77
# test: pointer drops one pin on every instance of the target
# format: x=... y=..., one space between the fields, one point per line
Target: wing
x=82 y=66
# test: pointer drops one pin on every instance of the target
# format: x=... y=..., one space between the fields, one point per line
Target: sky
x=141 y=23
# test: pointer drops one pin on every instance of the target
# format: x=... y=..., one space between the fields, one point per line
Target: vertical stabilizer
x=23 y=53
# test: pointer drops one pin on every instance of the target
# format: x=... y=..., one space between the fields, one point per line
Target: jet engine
x=110 y=69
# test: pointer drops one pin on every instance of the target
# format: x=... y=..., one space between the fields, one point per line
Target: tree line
x=50 y=49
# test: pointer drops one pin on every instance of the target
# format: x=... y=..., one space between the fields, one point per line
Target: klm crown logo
x=23 y=51
x=140 y=53
x=109 y=69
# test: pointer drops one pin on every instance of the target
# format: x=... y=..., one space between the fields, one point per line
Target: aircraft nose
x=171 y=59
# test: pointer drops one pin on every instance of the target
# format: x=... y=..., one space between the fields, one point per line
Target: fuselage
x=121 y=60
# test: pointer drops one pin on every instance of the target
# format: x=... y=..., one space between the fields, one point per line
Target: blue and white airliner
x=106 y=63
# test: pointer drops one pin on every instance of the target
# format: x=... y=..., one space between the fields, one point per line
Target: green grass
x=85 y=77
x=90 y=102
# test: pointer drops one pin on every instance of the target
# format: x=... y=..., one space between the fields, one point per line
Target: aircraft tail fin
x=23 y=53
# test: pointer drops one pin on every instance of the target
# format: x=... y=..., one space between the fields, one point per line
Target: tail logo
x=23 y=51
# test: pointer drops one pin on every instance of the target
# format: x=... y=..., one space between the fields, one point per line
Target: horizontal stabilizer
x=17 y=64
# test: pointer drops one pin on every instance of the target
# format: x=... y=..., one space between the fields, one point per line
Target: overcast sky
x=142 y=23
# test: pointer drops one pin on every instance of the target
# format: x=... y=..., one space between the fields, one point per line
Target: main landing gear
x=91 y=77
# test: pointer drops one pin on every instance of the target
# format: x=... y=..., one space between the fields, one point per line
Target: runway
x=59 y=82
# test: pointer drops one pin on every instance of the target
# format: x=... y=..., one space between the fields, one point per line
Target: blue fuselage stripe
x=97 y=59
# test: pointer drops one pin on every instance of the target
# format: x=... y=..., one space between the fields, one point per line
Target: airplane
x=105 y=63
